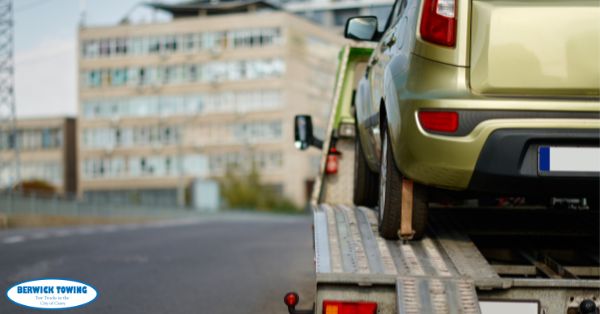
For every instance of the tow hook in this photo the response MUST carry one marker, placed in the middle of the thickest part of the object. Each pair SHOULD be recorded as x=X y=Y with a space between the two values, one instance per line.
x=291 y=299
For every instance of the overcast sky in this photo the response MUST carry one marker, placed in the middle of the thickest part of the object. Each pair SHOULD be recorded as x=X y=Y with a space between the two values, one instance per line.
x=45 y=50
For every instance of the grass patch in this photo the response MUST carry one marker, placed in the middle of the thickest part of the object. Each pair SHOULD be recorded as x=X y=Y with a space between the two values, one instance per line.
x=244 y=190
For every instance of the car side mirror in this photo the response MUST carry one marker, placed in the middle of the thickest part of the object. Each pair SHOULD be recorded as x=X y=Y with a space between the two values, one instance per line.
x=303 y=133
x=361 y=28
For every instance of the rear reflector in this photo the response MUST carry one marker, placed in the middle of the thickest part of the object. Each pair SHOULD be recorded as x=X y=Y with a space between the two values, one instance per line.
x=439 y=121
x=438 y=23
x=342 y=307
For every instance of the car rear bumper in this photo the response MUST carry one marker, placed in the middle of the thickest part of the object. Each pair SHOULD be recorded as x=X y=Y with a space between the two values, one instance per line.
x=508 y=163
x=497 y=153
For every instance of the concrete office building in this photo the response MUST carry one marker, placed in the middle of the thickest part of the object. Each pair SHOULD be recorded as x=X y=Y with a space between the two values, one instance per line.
x=163 y=104
x=47 y=153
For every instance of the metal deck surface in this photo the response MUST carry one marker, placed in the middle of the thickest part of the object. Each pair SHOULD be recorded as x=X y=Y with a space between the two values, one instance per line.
x=349 y=250
x=440 y=274
x=347 y=243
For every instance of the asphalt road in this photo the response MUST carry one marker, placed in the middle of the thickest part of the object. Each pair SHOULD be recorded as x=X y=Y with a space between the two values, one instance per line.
x=223 y=264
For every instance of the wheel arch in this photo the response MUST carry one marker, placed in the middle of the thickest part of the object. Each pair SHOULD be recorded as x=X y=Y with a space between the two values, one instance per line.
x=389 y=121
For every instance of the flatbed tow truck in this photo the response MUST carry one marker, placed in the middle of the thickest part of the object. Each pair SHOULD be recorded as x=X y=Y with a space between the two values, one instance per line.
x=494 y=260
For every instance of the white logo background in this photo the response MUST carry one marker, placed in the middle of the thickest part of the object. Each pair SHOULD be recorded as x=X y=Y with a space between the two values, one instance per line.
x=59 y=294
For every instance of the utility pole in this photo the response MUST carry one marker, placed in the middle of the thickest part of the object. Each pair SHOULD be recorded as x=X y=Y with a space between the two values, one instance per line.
x=9 y=160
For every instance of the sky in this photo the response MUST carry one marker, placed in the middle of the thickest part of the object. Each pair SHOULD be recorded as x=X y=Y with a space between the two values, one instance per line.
x=46 y=50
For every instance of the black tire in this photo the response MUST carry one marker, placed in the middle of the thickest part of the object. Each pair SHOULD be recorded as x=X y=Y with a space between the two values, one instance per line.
x=390 y=197
x=366 y=181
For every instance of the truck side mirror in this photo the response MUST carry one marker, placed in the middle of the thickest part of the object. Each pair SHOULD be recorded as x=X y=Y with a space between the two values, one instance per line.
x=303 y=133
x=361 y=28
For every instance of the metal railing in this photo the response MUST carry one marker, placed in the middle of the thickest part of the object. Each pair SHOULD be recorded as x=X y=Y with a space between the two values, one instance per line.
x=32 y=204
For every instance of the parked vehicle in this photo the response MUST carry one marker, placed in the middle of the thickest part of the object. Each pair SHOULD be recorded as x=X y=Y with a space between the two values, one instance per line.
x=478 y=96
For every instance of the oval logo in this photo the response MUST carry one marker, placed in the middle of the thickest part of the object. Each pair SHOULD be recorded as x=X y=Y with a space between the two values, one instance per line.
x=52 y=294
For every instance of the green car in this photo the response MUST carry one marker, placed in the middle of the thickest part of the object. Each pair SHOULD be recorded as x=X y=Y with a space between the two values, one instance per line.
x=478 y=97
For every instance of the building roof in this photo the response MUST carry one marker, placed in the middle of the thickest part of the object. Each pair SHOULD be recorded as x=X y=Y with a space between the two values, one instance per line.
x=212 y=7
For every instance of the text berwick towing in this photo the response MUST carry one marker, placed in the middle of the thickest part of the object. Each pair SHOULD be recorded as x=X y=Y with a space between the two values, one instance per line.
x=50 y=289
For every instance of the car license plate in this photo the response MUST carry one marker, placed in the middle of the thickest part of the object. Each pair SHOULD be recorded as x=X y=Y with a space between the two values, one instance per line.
x=568 y=159
x=504 y=307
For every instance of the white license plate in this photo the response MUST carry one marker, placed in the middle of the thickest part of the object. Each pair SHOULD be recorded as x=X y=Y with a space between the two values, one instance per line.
x=568 y=159
x=502 y=307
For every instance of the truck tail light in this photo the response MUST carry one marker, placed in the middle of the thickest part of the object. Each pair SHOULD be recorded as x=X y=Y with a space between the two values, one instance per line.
x=438 y=22
x=439 y=121
x=291 y=299
x=342 y=307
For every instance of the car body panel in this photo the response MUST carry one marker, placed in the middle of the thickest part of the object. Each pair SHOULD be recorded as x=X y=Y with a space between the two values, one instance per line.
x=545 y=48
x=381 y=77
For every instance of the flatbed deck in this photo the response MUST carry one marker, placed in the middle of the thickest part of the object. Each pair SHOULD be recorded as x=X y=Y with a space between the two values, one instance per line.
x=446 y=272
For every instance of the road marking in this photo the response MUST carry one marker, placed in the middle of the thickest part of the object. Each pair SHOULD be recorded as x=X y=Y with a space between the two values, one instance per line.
x=131 y=227
x=108 y=229
x=13 y=239
x=62 y=233
x=84 y=231
x=39 y=236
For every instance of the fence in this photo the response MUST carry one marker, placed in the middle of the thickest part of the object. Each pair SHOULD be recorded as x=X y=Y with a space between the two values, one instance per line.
x=15 y=203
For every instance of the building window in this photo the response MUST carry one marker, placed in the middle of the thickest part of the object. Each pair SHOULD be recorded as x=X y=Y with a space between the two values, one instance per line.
x=94 y=78
x=119 y=77
x=143 y=166
x=121 y=46
x=180 y=43
x=186 y=73
x=241 y=101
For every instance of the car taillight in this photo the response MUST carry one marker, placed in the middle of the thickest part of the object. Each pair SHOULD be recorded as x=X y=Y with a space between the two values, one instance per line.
x=342 y=307
x=438 y=23
x=439 y=121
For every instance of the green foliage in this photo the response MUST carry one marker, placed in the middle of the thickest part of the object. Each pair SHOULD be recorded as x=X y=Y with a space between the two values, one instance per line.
x=38 y=187
x=243 y=190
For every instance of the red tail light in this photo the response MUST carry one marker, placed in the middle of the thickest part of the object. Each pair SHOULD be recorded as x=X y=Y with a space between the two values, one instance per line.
x=332 y=165
x=439 y=121
x=339 y=307
x=438 y=23
x=291 y=299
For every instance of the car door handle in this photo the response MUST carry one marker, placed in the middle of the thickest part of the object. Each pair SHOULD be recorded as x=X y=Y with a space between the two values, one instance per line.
x=391 y=42
x=374 y=61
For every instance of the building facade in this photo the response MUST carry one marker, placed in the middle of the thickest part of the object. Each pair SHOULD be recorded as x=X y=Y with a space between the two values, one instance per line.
x=164 y=104
x=335 y=13
x=47 y=152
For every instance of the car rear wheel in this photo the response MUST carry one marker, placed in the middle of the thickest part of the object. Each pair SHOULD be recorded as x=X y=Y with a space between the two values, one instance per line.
x=365 y=180
x=390 y=197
